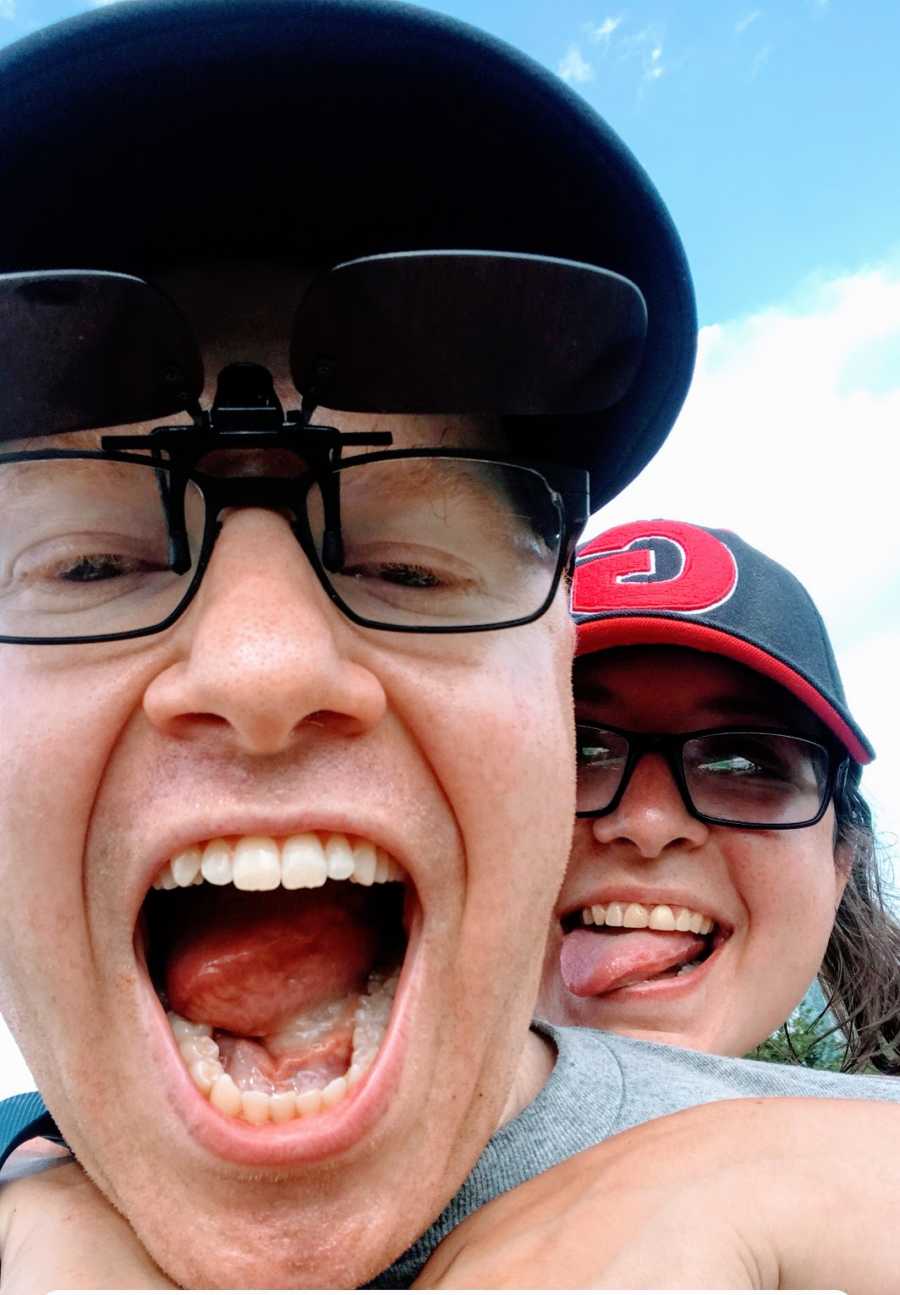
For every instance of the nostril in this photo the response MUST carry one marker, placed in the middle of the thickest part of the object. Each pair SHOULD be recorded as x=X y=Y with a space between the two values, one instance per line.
x=319 y=718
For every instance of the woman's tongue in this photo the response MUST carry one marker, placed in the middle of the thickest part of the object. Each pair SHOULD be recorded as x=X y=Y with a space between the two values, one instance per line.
x=249 y=963
x=596 y=962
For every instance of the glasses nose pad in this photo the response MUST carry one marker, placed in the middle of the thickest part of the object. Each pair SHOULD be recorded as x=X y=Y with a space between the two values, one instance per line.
x=332 y=552
x=332 y=557
x=172 y=492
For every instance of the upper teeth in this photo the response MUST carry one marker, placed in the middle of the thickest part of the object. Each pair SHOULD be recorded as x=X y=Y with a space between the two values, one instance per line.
x=297 y=862
x=659 y=917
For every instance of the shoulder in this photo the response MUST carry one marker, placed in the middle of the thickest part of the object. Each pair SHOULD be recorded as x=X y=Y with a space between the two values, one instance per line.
x=739 y=1076
x=656 y=1079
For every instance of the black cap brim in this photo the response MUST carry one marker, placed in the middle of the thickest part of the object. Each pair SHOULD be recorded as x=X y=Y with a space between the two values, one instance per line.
x=324 y=130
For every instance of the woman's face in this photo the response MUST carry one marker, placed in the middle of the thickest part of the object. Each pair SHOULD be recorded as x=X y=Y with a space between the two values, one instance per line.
x=771 y=895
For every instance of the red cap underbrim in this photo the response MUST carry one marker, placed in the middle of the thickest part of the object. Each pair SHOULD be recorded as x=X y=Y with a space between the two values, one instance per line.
x=639 y=631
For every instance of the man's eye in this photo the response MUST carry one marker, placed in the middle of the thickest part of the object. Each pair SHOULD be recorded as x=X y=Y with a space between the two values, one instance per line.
x=406 y=574
x=99 y=566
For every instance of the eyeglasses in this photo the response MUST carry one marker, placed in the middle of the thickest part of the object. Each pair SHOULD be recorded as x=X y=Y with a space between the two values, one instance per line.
x=749 y=777
x=113 y=544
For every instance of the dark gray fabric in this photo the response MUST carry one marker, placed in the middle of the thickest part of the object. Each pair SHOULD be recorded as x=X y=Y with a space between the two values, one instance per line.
x=602 y=1084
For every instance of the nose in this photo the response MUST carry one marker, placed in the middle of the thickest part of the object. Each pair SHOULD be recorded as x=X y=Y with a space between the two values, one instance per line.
x=262 y=652
x=651 y=817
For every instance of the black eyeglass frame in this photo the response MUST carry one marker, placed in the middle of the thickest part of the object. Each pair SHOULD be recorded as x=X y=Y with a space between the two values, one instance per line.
x=671 y=747
x=319 y=448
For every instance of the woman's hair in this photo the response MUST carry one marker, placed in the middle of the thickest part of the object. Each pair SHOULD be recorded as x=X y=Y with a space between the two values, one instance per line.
x=860 y=972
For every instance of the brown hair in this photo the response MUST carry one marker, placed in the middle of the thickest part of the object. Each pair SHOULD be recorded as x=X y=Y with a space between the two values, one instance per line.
x=860 y=972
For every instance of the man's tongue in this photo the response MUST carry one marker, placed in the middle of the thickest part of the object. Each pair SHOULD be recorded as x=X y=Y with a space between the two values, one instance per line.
x=248 y=963
x=596 y=962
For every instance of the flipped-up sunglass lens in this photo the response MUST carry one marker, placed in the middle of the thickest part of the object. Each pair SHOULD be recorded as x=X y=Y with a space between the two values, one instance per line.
x=741 y=777
x=87 y=348
x=101 y=545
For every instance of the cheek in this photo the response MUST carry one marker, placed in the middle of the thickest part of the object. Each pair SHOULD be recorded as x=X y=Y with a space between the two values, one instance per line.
x=497 y=732
x=59 y=727
x=788 y=885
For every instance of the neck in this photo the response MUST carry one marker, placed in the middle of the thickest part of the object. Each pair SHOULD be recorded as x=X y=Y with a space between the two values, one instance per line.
x=534 y=1069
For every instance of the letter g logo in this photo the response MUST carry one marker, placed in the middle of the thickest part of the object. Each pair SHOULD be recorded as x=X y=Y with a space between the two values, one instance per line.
x=653 y=567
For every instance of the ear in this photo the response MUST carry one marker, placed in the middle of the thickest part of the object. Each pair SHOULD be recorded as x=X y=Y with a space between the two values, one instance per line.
x=843 y=866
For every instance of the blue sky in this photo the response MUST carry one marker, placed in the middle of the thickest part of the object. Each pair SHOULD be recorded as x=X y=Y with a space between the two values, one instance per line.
x=771 y=131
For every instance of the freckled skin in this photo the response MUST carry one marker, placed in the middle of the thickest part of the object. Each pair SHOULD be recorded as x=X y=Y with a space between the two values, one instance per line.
x=263 y=697
x=779 y=890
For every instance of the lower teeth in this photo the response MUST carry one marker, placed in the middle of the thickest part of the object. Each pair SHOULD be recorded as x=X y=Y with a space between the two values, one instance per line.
x=200 y=1053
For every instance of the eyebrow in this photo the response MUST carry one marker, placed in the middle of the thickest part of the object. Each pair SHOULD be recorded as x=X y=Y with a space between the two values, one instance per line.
x=77 y=440
x=592 y=691
x=761 y=709
x=733 y=704
x=792 y=716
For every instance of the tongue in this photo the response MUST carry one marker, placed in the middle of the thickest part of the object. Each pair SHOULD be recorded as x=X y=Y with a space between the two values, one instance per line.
x=596 y=962
x=247 y=962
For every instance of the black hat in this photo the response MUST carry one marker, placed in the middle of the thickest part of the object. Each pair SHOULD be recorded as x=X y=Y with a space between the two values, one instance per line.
x=326 y=130
x=665 y=582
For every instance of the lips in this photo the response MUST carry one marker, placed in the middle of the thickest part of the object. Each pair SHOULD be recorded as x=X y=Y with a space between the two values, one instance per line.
x=623 y=943
x=277 y=961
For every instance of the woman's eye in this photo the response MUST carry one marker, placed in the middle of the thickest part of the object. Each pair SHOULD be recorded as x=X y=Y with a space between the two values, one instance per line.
x=590 y=752
x=729 y=764
x=740 y=766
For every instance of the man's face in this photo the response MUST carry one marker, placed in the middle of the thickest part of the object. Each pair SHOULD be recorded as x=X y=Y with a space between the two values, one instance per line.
x=264 y=713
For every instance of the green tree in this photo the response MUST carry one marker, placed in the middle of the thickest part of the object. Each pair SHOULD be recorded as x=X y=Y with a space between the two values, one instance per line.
x=808 y=1038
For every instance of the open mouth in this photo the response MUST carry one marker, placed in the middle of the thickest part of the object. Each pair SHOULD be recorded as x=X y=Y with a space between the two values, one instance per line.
x=277 y=963
x=621 y=944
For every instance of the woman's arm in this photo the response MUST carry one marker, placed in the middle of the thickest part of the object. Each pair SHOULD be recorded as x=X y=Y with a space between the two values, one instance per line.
x=776 y=1193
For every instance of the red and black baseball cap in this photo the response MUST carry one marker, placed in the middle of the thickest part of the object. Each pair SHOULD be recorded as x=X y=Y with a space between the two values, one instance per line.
x=680 y=585
x=139 y=135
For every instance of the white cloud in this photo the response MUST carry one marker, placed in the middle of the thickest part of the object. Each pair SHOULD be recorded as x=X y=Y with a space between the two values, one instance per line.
x=869 y=668
x=790 y=438
x=760 y=59
x=747 y=21
x=646 y=46
x=15 y=1076
x=574 y=68
x=601 y=32
x=653 y=68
